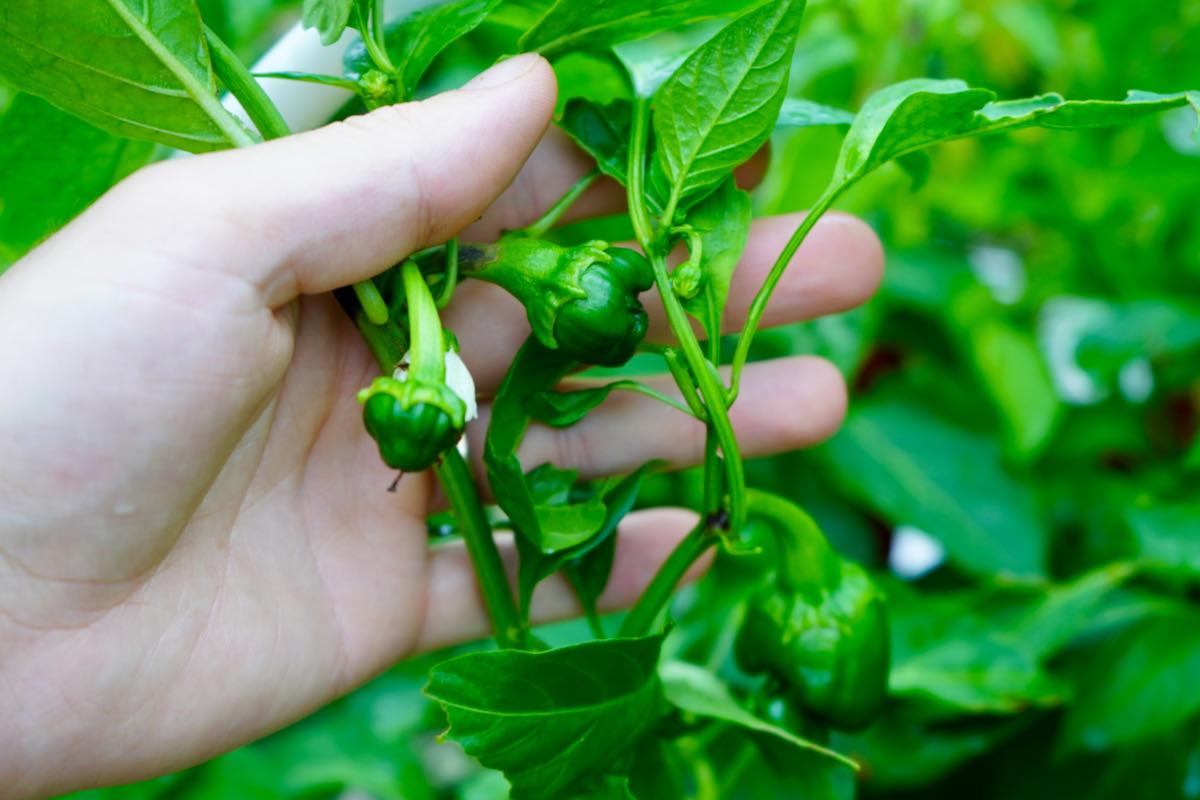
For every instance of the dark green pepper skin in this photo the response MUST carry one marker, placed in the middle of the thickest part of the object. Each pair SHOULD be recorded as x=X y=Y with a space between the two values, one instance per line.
x=819 y=628
x=606 y=325
x=581 y=300
x=412 y=423
x=832 y=656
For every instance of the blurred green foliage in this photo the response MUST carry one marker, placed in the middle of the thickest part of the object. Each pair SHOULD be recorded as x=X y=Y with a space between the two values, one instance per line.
x=1026 y=398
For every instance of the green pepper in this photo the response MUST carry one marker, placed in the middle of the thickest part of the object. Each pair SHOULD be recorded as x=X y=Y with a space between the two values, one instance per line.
x=414 y=416
x=581 y=300
x=819 y=628
x=413 y=422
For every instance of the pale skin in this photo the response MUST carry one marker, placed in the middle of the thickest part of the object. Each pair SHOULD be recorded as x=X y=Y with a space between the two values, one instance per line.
x=196 y=542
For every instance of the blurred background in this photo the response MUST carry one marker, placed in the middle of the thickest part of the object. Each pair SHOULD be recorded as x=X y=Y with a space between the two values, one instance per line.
x=1020 y=464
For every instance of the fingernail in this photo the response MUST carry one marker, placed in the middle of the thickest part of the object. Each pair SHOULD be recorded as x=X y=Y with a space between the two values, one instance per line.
x=504 y=72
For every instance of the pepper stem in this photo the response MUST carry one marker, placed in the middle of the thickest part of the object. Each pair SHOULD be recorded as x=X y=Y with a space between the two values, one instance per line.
x=548 y=220
x=459 y=485
x=427 y=349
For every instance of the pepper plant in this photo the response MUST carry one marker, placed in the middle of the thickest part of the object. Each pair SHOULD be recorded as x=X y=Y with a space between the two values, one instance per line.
x=703 y=85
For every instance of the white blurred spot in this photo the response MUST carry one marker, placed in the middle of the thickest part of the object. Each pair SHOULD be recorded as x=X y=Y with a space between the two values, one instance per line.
x=1063 y=323
x=1179 y=127
x=914 y=552
x=1137 y=380
x=459 y=379
x=1001 y=270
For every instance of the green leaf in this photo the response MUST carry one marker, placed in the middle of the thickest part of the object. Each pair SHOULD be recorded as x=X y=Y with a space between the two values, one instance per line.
x=572 y=25
x=562 y=524
x=534 y=369
x=1064 y=611
x=564 y=409
x=658 y=771
x=721 y=105
x=650 y=62
x=602 y=132
x=904 y=118
x=416 y=40
x=916 y=469
x=136 y=69
x=590 y=565
x=797 y=113
x=1018 y=380
x=697 y=691
x=988 y=675
x=910 y=116
x=1168 y=536
x=904 y=752
x=329 y=17
x=54 y=165
x=1011 y=369
x=570 y=525
x=723 y=222
x=553 y=719
x=1139 y=684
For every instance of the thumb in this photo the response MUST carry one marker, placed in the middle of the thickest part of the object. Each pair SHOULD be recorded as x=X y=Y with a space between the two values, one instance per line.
x=323 y=209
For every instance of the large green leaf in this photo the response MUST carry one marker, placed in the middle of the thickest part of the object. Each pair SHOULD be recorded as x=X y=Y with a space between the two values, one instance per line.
x=1139 y=684
x=136 y=68
x=917 y=469
x=572 y=25
x=1063 y=611
x=697 y=691
x=983 y=675
x=910 y=116
x=602 y=132
x=1168 y=536
x=552 y=719
x=416 y=40
x=721 y=105
x=54 y=166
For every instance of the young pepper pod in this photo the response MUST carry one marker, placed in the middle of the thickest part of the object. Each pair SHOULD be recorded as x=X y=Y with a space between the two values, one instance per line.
x=420 y=411
x=581 y=300
x=819 y=629
x=412 y=421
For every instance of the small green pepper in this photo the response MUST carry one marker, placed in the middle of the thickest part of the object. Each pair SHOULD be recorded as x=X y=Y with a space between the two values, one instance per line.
x=581 y=300
x=819 y=628
x=413 y=422
x=421 y=411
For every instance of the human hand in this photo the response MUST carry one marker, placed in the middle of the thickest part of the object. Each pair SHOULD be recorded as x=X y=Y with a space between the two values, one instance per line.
x=196 y=544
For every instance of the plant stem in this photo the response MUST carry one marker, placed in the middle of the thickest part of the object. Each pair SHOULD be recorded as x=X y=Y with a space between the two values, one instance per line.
x=310 y=77
x=371 y=302
x=241 y=84
x=654 y=394
x=451 y=280
x=640 y=620
x=371 y=31
x=711 y=388
x=759 y=305
x=547 y=221
x=386 y=342
x=459 y=486
x=683 y=379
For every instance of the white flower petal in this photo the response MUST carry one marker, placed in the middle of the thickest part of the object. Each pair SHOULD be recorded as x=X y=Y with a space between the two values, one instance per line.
x=459 y=379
